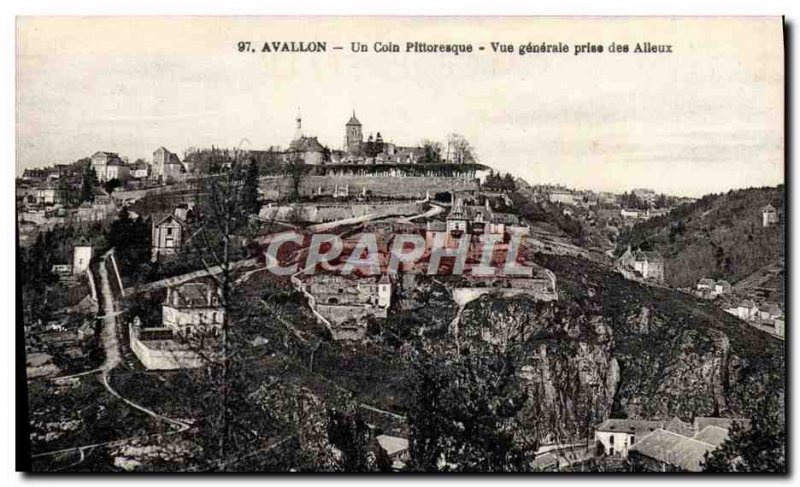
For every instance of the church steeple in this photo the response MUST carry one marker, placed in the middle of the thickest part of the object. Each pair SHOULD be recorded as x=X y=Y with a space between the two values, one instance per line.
x=353 y=137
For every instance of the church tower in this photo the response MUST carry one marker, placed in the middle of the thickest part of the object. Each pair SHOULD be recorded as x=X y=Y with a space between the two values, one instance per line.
x=353 y=137
x=298 y=132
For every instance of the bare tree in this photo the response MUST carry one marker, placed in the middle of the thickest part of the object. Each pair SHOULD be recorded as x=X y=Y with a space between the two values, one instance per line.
x=223 y=219
x=297 y=171
x=459 y=150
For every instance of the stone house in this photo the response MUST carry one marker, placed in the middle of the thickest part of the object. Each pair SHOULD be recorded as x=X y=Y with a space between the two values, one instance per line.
x=648 y=264
x=191 y=308
x=191 y=319
x=307 y=149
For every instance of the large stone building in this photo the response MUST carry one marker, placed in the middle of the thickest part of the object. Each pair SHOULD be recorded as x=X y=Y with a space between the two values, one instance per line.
x=167 y=166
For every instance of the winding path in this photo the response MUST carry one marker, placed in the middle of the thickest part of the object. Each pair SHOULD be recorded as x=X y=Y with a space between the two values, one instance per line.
x=111 y=347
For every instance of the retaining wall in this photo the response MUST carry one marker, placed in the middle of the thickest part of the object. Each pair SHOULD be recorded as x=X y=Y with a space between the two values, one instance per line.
x=397 y=186
x=162 y=359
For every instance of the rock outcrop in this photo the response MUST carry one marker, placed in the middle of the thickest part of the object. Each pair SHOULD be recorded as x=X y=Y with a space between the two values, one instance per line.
x=624 y=350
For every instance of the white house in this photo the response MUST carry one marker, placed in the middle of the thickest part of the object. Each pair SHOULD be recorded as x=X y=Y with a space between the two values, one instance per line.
x=108 y=165
x=769 y=216
x=617 y=435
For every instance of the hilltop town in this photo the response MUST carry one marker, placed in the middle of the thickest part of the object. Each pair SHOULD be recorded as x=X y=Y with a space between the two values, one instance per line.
x=586 y=340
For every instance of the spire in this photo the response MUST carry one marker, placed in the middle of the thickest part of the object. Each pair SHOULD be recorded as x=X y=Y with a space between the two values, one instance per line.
x=353 y=120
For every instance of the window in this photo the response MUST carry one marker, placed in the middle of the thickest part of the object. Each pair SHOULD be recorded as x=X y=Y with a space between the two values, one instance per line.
x=633 y=439
x=169 y=230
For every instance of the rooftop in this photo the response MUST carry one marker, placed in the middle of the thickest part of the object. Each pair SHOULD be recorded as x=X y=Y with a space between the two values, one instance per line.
x=713 y=435
x=353 y=120
x=192 y=295
x=632 y=426
x=641 y=255
x=701 y=422
x=673 y=449
x=392 y=444
x=306 y=144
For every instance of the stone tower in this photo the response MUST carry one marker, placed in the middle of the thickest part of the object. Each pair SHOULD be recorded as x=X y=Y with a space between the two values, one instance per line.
x=353 y=137
x=298 y=133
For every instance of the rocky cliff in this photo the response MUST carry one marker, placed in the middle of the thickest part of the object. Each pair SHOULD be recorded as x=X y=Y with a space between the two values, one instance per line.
x=610 y=347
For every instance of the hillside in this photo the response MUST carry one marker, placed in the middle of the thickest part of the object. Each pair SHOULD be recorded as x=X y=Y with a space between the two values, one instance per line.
x=718 y=236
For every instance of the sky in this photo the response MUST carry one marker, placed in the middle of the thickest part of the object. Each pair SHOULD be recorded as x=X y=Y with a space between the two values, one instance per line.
x=706 y=118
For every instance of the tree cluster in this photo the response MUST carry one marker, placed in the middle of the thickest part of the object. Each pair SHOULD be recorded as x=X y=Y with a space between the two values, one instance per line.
x=497 y=182
x=463 y=414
